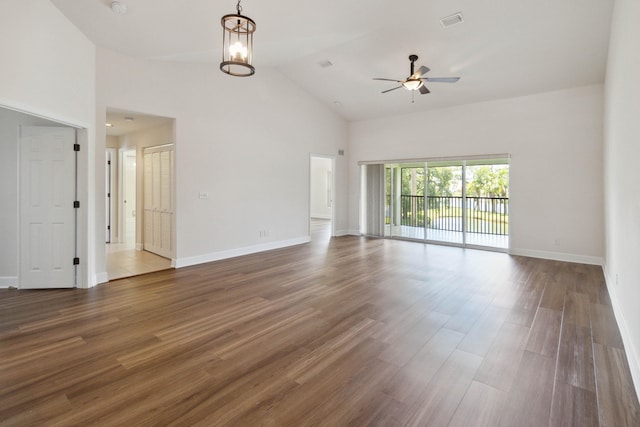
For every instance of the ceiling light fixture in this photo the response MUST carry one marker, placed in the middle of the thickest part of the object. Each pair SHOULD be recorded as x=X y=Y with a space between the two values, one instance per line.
x=412 y=84
x=237 y=44
x=109 y=125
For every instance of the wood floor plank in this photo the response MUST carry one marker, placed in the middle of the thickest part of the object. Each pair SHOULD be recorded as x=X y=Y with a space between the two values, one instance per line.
x=418 y=372
x=604 y=327
x=481 y=406
x=406 y=345
x=577 y=309
x=339 y=331
x=525 y=307
x=440 y=399
x=529 y=400
x=575 y=358
x=573 y=406
x=480 y=337
x=617 y=401
x=545 y=332
x=500 y=365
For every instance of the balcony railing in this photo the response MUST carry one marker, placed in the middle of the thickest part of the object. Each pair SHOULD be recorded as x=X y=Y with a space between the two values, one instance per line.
x=486 y=215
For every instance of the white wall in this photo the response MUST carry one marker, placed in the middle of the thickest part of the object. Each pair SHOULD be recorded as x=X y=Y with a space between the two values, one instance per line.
x=320 y=187
x=622 y=176
x=245 y=141
x=555 y=140
x=48 y=69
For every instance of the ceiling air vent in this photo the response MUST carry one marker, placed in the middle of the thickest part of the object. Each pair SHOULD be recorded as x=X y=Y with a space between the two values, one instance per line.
x=325 y=64
x=451 y=20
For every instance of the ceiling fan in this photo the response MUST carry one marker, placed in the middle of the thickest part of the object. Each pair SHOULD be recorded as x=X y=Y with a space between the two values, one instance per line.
x=416 y=79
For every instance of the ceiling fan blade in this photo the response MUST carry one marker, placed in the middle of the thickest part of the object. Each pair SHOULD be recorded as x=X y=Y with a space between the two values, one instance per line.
x=421 y=72
x=424 y=90
x=442 y=79
x=389 y=90
x=387 y=80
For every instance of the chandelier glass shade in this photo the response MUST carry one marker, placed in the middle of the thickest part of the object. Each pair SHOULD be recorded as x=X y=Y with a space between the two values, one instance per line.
x=237 y=44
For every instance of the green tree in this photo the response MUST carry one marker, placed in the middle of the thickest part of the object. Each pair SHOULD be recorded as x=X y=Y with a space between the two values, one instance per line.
x=441 y=181
x=489 y=181
x=412 y=180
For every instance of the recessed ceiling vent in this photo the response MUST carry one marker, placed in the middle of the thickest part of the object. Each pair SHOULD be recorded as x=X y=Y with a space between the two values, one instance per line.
x=452 y=20
x=325 y=64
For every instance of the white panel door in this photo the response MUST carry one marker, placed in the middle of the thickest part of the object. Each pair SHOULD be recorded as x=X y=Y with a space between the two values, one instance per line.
x=47 y=217
x=158 y=200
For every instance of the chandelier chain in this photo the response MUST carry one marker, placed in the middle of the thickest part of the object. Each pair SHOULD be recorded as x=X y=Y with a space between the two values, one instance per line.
x=239 y=8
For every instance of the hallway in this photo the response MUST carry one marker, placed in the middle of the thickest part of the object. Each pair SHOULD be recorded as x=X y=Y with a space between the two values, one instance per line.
x=123 y=260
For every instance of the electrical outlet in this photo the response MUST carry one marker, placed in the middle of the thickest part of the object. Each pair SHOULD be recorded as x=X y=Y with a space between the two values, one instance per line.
x=203 y=195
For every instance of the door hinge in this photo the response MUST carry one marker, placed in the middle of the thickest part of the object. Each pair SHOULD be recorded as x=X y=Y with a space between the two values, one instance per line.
x=76 y=204
x=108 y=162
x=76 y=147
x=108 y=227
x=76 y=261
x=108 y=194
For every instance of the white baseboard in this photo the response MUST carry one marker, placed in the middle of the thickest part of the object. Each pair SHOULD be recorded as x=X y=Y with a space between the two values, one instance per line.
x=320 y=216
x=354 y=232
x=139 y=246
x=7 y=281
x=633 y=354
x=232 y=253
x=101 y=278
x=342 y=233
x=558 y=256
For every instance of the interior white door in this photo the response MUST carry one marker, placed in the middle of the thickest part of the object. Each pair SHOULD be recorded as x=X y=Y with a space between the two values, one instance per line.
x=47 y=217
x=158 y=200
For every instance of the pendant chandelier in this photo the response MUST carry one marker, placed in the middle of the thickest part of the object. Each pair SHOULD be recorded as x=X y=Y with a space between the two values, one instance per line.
x=237 y=44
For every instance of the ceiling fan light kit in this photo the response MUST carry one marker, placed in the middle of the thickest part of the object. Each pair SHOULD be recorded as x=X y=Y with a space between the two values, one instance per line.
x=416 y=79
x=237 y=44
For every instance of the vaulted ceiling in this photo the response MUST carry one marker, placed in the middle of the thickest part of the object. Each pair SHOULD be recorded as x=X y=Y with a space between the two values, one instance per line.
x=502 y=49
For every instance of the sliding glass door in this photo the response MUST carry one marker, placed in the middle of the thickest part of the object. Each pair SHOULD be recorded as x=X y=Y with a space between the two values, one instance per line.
x=487 y=203
x=462 y=202
x=445 y=208
x=404 y=198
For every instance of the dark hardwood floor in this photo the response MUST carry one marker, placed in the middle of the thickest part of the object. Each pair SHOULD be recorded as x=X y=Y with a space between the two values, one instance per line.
x=343 y=331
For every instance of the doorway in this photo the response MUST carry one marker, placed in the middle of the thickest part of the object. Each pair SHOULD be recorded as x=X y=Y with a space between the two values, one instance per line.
x=135 y=137
x=321 y=197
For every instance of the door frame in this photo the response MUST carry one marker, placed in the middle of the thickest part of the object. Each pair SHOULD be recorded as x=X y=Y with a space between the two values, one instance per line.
x=333 y=191
x=112 y=198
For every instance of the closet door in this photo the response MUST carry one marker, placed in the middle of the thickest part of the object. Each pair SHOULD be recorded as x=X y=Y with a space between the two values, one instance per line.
x=47 y=214
x=158 y=200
